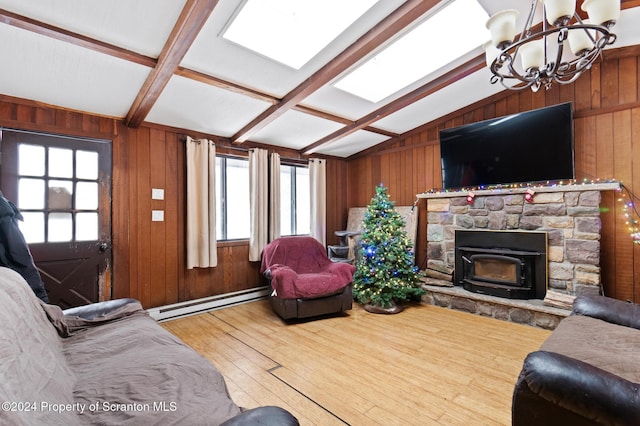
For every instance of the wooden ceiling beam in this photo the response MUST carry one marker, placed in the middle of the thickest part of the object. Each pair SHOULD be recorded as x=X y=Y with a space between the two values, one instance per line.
x=399 y=19
x=421 y=92
x=338 y=119
x=60 y=34
x=242 y=90
x=193 y=17
x=433 y=86
x=381 y=131
x=226 y=85
x=42 y=28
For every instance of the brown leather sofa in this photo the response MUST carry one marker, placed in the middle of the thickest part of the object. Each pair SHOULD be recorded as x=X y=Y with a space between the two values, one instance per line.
x=587 y=372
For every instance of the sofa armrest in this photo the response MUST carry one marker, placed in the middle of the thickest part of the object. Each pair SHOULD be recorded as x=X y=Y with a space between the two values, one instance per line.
x=266 y=416
x=608 y=309
x=581 y=388
x=95 y=310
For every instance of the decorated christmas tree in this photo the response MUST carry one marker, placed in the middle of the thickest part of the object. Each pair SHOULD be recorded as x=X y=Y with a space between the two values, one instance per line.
x=385 y=271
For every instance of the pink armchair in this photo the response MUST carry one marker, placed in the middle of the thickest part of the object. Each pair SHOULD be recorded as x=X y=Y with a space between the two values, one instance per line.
x=304 y=281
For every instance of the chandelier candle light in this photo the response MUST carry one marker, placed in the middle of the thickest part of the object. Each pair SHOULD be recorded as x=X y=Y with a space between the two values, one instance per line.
x=533 y=60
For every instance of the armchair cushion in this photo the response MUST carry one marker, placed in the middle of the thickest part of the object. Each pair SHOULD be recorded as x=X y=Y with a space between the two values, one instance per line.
x=299 y=268
x=607 y=309
x=611 y=348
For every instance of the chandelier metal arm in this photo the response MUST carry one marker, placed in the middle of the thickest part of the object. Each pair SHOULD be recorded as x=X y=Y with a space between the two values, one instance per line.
x=556 y=70
x=526 y=31
x=562 y=67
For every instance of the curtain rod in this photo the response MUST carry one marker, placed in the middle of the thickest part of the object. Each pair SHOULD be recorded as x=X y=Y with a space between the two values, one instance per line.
x=297 y=160
x=237 y=148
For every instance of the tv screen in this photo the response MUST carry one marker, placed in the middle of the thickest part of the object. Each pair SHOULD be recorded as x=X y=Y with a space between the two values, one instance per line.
x=527 y=147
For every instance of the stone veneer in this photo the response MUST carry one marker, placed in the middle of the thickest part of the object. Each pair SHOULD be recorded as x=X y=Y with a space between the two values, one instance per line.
x=571 y=219
x=529 y=312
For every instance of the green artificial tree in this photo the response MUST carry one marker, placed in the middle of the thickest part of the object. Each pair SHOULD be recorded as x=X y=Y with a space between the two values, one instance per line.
x=385 y=271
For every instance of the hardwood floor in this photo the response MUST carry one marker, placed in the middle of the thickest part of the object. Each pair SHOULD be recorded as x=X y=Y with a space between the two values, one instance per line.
x=426 y=365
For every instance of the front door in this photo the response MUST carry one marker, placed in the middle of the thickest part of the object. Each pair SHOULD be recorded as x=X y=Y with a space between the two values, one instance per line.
x=62 y=186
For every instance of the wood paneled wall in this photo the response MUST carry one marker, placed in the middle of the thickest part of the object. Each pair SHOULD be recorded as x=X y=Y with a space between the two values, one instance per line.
x=149 y=257
x=606 y=102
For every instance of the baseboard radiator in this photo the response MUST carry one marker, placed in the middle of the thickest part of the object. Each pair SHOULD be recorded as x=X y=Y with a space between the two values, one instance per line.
x=198 y=306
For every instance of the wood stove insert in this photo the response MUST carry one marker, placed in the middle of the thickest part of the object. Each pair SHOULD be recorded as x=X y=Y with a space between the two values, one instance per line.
x=502 y=263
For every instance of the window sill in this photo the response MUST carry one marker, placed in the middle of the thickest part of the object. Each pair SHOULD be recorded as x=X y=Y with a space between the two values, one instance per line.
x=233 y=243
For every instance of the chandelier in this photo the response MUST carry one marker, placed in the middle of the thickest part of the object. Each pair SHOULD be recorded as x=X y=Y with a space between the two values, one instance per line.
x=534 y=60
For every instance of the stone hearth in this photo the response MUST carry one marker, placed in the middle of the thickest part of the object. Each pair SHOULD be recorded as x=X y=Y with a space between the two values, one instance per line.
x=529 y=312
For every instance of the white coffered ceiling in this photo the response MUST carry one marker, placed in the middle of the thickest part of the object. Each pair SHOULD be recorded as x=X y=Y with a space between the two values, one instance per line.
x=168 y=62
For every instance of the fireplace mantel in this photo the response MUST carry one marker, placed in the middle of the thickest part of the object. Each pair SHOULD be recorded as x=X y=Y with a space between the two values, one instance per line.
x=507 y=190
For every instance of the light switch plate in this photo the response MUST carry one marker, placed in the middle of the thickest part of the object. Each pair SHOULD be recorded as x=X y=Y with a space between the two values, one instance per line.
x=157 y=215
x=157 y=194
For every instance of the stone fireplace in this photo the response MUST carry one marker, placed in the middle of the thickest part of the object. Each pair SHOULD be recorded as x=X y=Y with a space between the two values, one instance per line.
x=568 y=216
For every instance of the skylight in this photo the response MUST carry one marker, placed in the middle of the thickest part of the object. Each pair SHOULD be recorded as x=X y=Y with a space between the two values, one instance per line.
x=293 y=31
x=452 y=32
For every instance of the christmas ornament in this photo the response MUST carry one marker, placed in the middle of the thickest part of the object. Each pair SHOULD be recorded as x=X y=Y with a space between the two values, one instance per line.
x=528 y=195
x=470 y=197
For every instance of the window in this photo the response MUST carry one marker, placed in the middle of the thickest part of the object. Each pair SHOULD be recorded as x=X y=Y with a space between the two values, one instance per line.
x=295 y=204
x=293 y=31
x=57 y=194
x=401 y=63
x=232 y=198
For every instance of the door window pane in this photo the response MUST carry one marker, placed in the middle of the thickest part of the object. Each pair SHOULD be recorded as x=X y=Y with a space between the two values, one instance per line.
x=87 y=196
x=32 y=227
x=60 y=162
x=60 y=194
x=31 y=193
x=86 y=226
x=30 y=160
x=60 y=227
x=87 y=165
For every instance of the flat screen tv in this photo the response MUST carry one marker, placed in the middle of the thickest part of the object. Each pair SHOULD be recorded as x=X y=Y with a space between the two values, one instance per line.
x=528 y=147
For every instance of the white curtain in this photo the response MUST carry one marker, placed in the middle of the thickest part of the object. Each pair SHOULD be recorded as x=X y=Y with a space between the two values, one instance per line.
x=274 y=198
x=258 y=202
x=201 y=204
x=318 y=184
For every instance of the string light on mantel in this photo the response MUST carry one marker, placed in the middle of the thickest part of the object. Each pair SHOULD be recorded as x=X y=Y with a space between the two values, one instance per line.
x=529 y=185
x=630 y=213
x=626 y=197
